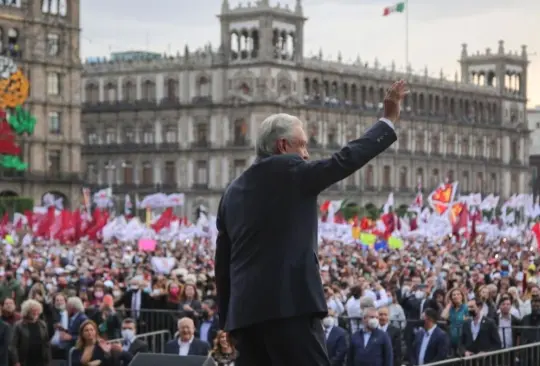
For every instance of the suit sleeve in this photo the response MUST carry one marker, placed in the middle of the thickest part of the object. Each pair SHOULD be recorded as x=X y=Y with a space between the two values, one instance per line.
x=350 y=354
x=388 y=353
x=316 y=176
x=496 y=343
x=443 y=349
x=222 y=268
x=396 y=346
x=341 y=351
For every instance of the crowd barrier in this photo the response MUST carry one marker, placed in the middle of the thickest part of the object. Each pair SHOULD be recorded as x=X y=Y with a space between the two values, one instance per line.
x=525 y=355
x=156 y=342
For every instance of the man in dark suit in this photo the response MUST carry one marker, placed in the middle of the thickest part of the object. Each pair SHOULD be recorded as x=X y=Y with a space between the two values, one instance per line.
x=370 y=346
x=133 y=301
x=209 y=325
x=186 y=344
x=393 y=332
x=431 y=344
x=75 y=309
x=508 y=324
x=270 y=294
x=479 y=333
x=336 y=342
x=130 y=343
x=5 y=339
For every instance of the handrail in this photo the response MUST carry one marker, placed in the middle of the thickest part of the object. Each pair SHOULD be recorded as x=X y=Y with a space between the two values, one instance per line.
x=485 y=354
x=119 y=340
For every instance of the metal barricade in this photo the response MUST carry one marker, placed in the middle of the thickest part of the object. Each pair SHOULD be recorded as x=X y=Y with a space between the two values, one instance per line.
x=526 y=355
x=156 y=342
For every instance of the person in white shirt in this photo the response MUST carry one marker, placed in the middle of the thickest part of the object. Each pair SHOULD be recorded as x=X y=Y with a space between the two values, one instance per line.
x=186 y=344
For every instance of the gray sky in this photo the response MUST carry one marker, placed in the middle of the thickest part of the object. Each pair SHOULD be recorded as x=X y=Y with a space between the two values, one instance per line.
x=437 y=29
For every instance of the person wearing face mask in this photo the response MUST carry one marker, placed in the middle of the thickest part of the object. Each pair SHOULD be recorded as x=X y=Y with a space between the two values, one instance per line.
x=209 y=325
x=479 y=333
x=370 y=346
x=136 y=299
x=336 y=341
x=130 y=344
x=431 y=344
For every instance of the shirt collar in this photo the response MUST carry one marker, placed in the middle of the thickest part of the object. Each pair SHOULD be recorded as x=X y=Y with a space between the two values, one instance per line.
x=430 y=330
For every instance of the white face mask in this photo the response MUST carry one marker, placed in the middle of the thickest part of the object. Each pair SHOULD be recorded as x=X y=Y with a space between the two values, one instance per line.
x=328 y=322
x=373 y=323
x=419 y=295
x=128 y=334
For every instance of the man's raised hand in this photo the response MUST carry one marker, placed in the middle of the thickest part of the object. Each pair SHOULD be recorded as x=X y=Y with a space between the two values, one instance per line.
x=392 y=100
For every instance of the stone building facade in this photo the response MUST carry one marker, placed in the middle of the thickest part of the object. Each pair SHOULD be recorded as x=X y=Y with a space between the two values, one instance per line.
x=187 y=123
x=42 y=37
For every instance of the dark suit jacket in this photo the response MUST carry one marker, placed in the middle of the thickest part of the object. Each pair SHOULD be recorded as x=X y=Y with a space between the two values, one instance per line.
x=5 y=339
x=487 y=340
x=337 y=346
x=126 y=300
x=266 y=257
x=97 y=354
x=196 y=348
x=137 y=346
x=212 y=331
x=377 y=352
x=74 y=325
x=395 y=337
x=438 y=347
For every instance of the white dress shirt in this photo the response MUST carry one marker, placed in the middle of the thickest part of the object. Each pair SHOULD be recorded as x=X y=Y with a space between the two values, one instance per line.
x=475 y=327
x=184 y=347
x=136 y=303
x=505 y=330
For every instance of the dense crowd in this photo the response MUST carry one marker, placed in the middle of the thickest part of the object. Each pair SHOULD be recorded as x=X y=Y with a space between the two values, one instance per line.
x=87 y=302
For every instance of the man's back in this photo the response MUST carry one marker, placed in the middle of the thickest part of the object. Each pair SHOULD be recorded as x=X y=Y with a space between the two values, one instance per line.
x=273 y=262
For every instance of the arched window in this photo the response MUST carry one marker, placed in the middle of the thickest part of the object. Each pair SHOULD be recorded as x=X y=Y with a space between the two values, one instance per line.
x=204 y=86
x=493 y=183
x=129 y=91
x=420 y=142
x=170 y=134
x=240 y=130
x=420 y=176
x=450 y=145
x=404 y=141
x=13 y=42
x=465 y=180
x=479 y=148
x=465 y=147
x=435 y=178
x=435 y=145
x=129 y=135
x=479 y=182
x=110 y=92
x=514 y=151
x=171 y=90
x=62 y=7
x=110 y=136
x=149 y=91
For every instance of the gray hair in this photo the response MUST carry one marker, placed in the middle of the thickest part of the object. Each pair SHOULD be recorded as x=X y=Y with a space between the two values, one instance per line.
x=369 y=311
x=366 y=302
x=28 y=305
x=75 y=303
x=273 y=128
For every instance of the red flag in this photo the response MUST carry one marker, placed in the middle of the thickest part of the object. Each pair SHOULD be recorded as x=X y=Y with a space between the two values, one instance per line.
x=164 y=220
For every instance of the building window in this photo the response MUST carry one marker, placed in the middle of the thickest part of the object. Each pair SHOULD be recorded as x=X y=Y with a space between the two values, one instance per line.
x=465 y=181
x=148 y=136
x=91 y=173
x=171 y=88
x=147 y=173
x=130 y=91
x=239 y=167
x=170 y=172
x=110 y=136
x=14 y=3
x=14 y=49
x=493 y=154
x=54 y=159
x=450 y=176
x=92 y=137
x=465 y=147
x=110 y=92
x=479 y=182
x=127 y=169
x=202 y=133
x=170 y=135
x=369 y=176
x=403 y=177
x=435 y=147
x=149 y=91
x=404 y=141
x=54 y=7
x=240 y=130
x=202 y=172
x=493 y=184
x=514 y=183
x=54 y=123
x=420 y=142
x=204 y=87
x=53 y=83
x=514 y=152
x=450 y=145
x=387 y=176
x=420 y=176
x=479 y=148
x=129 y=135
x=53 y=44
x=92 y=93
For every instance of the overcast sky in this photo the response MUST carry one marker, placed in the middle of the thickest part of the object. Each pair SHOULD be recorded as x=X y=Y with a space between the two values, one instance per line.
x=437 y=28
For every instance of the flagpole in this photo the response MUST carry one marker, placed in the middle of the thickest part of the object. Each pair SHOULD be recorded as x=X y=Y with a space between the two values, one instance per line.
x=406 y=35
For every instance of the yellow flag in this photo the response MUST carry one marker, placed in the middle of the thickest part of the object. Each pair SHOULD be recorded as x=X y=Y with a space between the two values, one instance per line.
x=368 y=239
x=356 y=232
x=395 y=243
x=148 y=216
x=9 y=239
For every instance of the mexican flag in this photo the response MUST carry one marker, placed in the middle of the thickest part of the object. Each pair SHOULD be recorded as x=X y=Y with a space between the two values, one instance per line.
x=396 y=8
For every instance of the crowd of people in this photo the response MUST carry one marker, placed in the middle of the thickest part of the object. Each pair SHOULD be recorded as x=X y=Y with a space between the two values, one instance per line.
x=95 y=299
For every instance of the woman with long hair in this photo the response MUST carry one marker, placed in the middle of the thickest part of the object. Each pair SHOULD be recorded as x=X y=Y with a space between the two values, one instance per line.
x=455 y=312
x=90 y=350
x=30 y=342
x=189 y=304
x=224 y=353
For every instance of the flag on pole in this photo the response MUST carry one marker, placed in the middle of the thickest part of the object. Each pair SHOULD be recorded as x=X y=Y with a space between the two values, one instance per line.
x=396 y=8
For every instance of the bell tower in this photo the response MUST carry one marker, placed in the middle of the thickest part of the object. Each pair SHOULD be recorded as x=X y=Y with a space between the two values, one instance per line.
x=261 y=32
